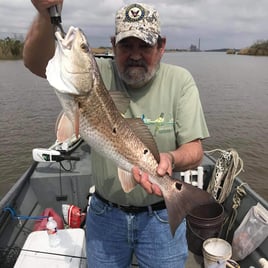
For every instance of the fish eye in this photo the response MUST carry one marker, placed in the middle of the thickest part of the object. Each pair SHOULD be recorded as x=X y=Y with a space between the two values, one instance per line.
x=84 y=47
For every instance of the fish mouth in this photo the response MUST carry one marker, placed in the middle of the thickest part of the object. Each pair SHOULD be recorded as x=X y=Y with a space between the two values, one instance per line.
x=65 y=68
x=66 y=44
x=66 y=41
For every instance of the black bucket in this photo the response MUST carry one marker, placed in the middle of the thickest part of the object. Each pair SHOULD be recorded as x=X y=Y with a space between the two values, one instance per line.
x=203 y=222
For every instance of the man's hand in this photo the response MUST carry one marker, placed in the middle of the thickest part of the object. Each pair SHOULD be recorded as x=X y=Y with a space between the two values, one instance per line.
x=164 y=167
x=143 y=179
x=187 y=156
x=43 y=5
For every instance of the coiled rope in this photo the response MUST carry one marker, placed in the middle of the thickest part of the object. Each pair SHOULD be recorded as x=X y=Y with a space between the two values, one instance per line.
x=238 y=196
x=227 y=167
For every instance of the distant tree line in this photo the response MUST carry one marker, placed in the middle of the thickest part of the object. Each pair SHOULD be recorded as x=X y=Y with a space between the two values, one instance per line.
x=261 y=44
x=260 y=48
x=10 y=48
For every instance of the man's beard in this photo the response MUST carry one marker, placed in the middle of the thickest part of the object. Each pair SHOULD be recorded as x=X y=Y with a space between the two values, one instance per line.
x=136 y=73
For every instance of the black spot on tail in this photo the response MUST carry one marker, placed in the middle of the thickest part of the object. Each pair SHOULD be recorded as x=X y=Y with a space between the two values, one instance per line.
x=178 y=186
x=181 y=199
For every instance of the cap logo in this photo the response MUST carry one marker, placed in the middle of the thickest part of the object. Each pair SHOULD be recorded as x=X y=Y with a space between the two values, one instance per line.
x=134 y=13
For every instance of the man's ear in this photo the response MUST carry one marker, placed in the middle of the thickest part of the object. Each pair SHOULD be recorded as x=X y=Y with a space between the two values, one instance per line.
x=113 y=41
x=163 y=44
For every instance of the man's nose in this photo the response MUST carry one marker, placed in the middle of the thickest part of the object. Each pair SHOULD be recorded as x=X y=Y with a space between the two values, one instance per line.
x=136 y=53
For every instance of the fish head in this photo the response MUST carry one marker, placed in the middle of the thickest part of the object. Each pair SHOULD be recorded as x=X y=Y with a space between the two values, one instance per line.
x=71 y=70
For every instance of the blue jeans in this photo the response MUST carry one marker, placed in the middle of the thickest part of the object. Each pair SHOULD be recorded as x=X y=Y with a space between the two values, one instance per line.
x=113 y=236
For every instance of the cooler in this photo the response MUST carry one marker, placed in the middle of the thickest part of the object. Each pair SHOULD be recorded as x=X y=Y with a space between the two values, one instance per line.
x=71 y=253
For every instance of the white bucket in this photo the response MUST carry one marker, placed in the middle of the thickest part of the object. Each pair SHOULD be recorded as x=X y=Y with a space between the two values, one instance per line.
x=216 y=252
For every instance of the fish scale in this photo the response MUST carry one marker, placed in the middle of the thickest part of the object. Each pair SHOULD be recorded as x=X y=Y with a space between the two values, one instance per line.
x=74 y=74
x=117 y=138
x=116 y=146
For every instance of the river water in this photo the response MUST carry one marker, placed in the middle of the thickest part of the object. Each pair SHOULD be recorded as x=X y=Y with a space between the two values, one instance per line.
x=233 y=90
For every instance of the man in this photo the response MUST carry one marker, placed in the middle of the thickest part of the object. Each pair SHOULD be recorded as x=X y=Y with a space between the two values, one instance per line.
x=166 y=97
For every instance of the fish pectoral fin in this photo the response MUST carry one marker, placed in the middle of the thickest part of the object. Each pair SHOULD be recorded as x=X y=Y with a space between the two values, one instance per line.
x=63 y=128
x=127 y=180
x=181 y=200
x=76 y=122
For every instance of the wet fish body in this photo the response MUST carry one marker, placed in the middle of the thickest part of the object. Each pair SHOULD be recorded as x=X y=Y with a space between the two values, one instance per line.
x=74 y=74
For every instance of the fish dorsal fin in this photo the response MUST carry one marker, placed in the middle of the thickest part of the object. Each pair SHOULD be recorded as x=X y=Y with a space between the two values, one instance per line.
x=126 y=179
x=120 y=99
x=145 y=135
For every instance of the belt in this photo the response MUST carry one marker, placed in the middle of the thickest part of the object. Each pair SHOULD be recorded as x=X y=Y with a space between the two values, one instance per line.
x=133 y=209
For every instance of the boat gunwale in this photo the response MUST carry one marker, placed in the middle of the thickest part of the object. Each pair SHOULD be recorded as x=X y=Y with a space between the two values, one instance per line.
x=12 y=193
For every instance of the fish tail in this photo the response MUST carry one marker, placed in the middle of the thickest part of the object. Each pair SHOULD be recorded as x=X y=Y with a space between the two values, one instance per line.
x=181 y=200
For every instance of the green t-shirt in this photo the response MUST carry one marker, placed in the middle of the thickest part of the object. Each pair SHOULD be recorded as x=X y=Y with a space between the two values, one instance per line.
x=169 y=105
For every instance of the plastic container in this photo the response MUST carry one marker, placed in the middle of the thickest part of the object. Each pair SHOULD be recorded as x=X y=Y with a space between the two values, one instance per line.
x=71 y=252
x=52 y=231
x=263 y=262
x=216 y=253
x=203 y=222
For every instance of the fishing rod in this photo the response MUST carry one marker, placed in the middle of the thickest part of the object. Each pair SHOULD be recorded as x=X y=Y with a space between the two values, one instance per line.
x=55 y=17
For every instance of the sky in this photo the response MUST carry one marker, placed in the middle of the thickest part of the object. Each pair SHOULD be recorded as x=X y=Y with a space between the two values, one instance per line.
x=217 y=23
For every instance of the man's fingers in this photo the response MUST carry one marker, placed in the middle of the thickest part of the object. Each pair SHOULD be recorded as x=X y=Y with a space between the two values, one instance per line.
x=143 y=179
x=146 y=184
x=156 y=190
x=137 y=174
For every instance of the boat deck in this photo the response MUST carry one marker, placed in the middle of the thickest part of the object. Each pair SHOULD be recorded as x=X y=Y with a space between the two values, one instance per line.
x=29 y=196
x=194 y=261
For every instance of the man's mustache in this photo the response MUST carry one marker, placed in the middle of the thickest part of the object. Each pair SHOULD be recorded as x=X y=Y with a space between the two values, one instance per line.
x=136 y=63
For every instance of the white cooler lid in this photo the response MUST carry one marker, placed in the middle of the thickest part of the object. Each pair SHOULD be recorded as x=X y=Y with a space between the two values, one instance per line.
x=36 y=251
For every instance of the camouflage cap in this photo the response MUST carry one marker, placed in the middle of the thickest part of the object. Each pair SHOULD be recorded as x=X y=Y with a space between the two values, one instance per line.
x=137 y=20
